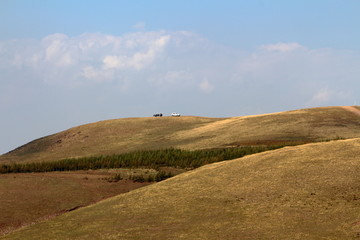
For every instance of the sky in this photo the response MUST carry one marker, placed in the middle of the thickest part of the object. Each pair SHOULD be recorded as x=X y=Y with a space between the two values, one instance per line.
x=67 y=63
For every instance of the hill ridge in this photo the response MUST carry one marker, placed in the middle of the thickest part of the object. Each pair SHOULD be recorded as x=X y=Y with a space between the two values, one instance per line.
x=189 y=132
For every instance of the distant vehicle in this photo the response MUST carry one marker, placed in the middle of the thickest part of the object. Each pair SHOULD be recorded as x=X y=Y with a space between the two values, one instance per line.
x=174 y=114
x=157 y=115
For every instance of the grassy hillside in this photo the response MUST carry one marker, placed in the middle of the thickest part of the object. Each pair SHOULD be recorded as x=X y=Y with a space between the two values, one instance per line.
x=307 y=125
x=125 y=135
x=304 y=192
x=27 y=198
x=106 y=137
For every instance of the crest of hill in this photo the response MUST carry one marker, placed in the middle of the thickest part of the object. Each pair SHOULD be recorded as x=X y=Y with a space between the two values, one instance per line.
x=130 y=134
x=304 y=192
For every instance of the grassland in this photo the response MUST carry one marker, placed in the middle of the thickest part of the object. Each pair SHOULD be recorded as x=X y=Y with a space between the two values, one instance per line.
x=70 y=190
x=105 y=138
x=132 y=134
x=303 y=192
x=33 y=197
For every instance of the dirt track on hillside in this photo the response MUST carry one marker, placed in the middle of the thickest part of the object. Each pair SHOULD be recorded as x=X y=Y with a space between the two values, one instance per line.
x=352 y=109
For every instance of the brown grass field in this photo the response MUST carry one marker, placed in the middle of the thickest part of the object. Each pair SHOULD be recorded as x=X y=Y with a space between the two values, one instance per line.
x=308 y=191
x=31 y=197
x=303 y=192
x=130 y=134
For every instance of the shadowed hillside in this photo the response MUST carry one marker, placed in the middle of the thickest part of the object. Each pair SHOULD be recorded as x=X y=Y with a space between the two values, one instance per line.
x=304 y=192
x=31 y=197
x=125 y=135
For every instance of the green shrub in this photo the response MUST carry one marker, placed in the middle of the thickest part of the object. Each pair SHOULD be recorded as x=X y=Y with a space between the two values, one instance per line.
x=115 y=178
x=137 y=178
x=162 y=176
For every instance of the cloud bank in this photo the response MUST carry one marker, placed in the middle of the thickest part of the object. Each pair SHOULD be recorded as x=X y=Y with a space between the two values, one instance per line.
x=275 y=76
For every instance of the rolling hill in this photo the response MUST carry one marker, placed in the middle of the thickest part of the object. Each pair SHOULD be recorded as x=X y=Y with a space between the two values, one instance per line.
x=33 y=197
x=130 y=134
x=301 y=192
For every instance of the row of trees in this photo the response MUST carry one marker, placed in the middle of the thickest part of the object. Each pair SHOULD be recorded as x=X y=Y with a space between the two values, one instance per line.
x=148 y=159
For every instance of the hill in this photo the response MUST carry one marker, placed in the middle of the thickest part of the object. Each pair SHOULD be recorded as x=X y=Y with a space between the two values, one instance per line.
x=130 y=134
x=31 y=197
x=303 y=192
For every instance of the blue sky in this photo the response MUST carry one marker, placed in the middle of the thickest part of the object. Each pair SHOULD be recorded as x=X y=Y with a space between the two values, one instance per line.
x=321 y=23
x=66 y=63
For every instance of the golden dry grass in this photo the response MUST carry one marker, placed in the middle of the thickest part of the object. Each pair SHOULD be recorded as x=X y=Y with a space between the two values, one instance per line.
x=105 y=137
x=314 y=124
x=124 y=135
x=304 y=192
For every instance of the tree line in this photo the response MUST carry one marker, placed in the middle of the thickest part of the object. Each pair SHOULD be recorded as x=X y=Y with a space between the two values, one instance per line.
x=155 y=159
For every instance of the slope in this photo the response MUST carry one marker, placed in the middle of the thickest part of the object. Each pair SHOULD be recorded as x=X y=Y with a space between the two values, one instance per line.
x=29 y=197
x=105 y=137
x=124 y=135
x=304 y=192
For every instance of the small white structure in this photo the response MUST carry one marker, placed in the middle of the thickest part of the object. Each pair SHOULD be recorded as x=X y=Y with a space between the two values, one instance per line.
x=175 y=114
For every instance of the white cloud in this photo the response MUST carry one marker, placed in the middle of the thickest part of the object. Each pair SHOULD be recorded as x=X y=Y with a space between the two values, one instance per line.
x=180 y=77
x=138 y=60
x=272 y=75
x=323 y=95
x=139 y=26
x=282 y=47
x=206 y=86
x=59 y=58
x=113 y=62
x=54 y=45
x=58 y=50
x=96 y=75
x=326 y=96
